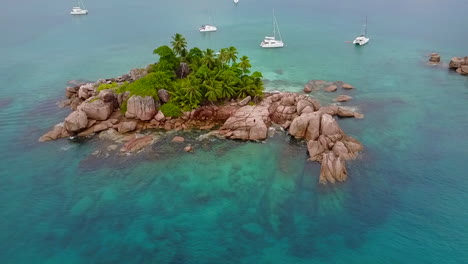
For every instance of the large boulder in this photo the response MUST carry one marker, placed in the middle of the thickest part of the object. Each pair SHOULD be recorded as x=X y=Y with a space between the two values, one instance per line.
x=86 y=91
x=329 y=126
x=307 y=125
x=183 y=70
x=301 y=104
x=464 y=69
x=248 y=123
x=136 y=74
x=128 y=126
x=76 y=121
x=315 y=150
x=143 y=108
x=71 y=91
x=97 y=109
x=347 y=86
x=164 y=95
x=333 y=169
x=107 y=96
x=456 y=62
x=288 y=100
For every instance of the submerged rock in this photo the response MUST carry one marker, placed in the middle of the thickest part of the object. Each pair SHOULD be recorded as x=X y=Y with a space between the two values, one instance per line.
x=343 y=98
x=137 y=144
x=188 y=148
x=178 y=139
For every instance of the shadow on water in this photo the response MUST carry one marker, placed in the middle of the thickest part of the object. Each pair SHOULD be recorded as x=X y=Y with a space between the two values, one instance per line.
x=5 y=102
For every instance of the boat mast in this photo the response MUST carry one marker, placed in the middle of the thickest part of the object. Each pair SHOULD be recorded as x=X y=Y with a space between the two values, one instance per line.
x=365 y=28
x=81 y=2
x=274 y=25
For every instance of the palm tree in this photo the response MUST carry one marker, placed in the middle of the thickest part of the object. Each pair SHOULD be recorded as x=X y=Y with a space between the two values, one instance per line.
x=213 y=90
x=231 y=55
x=209 y=58
x=245 y=64
x=191 y=92
x=223 y=56
x=179 y=44
x=247 y=87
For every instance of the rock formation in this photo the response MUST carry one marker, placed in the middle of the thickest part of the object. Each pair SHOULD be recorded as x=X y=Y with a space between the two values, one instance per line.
x=459 y=64
x=164 y=95
x=435 y=58
x=342 y=98
x=143 y=108
x=97 y=109
x=302 y=115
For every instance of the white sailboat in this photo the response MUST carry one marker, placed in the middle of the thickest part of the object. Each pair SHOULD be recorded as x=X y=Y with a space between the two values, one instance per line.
x=78 y=10
x=272 y=42
x=362 y=39
x=207 y=28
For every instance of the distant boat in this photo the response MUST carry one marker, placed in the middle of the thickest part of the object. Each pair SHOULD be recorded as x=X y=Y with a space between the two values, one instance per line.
x=362 y=39
x=272 y=42
x=236 y=1
x=79 y=10
x=208 y=28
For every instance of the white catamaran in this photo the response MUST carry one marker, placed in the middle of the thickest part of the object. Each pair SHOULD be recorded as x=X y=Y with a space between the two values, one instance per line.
x=362 y=39
x=272 y=42
x=79 y=10
x=207 y=27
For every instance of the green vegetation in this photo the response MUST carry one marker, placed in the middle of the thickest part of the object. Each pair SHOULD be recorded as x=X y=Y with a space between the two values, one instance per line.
x=170 y=109
x=105 y=86
x=94 y=99
x=195 y=77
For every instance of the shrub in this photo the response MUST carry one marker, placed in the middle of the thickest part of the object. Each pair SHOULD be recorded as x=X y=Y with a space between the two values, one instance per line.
x=105 y=86
x=123 y=107
x=170 y=109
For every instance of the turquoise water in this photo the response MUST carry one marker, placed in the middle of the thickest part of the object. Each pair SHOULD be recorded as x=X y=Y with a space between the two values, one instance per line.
x=230 y=201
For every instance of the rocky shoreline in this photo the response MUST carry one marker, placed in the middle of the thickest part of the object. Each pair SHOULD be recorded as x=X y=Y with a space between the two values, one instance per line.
x=248 y=119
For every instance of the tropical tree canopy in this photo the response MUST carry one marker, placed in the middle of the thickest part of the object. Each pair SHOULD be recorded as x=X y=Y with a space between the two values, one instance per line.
x=212 y=77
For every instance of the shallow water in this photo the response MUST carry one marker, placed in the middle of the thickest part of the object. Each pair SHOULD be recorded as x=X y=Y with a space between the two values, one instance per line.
x=231 y=201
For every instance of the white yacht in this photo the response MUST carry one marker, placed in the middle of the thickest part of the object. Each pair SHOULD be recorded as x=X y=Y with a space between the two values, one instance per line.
x=207 y=28
x=362 y=39
x=77 y=10
x=236 y=1
x=272 y=42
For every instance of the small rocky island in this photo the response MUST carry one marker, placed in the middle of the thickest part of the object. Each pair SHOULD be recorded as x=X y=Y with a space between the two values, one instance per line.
x=208 y=92
x=458 y=64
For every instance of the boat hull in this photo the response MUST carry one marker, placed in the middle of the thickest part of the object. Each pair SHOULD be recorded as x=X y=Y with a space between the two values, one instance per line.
x=207 y=28
x=272 y=45
x=82 y=12
x=361 y=41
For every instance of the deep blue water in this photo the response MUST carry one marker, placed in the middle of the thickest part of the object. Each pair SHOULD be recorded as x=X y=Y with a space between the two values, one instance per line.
x=230 y=201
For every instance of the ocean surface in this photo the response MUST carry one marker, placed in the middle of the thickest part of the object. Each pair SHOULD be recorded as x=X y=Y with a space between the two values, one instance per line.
x=238 y=202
